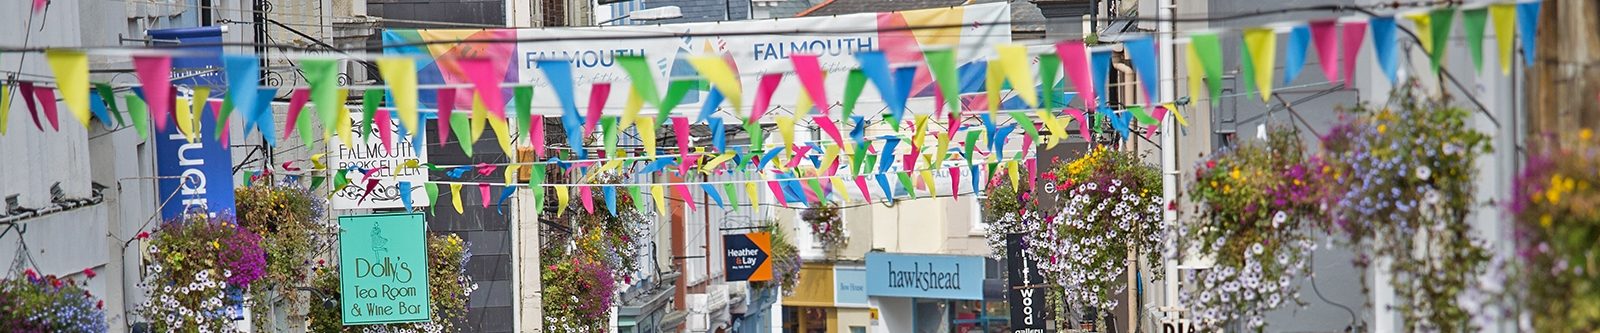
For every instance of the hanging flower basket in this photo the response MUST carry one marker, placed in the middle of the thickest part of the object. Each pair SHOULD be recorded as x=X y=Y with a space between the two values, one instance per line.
x=1557 y=207
x=290 y=222
x=826 y=225
x=1253 y=202
x=196 y=270
x=785 y=263
x=48 y=303
x=1111 y=211
x=1402 y=184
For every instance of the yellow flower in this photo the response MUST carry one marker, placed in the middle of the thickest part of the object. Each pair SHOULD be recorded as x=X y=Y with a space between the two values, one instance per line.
x=215 y=245
x=1382 y=128
x=1545 y=220
x=1234 y=174
x=1585 y=134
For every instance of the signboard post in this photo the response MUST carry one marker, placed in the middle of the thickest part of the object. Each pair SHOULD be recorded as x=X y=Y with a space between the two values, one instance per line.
x=369 y=154
x=383 y=269
x=749 y=256
x=1027 y=301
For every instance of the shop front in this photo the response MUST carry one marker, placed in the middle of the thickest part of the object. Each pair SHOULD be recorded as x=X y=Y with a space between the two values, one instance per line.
x=830 y=298
x=935 y=293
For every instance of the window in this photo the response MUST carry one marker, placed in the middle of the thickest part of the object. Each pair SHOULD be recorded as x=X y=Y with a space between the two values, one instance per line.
x=980 y=225
x=858 y=329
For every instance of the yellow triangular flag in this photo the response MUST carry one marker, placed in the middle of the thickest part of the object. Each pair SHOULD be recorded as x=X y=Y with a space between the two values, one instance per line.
x=993 y=80
x=1263 y=46
x=725 y=157
x=511 y=174
x=1197 y=74
x=943 y=151
x=400 y=73
x=1057 y=132
x=918 y=136
x=716 y=70
x=562 y=198
x=455 y=196
x=1424 y=29
x=1504 y=16
x=1173 y=109
x=927 y=180
x=754 y=194
x=480 y=117
x=316 y=162
x=345 y=131
x=786 y=130
x=503 y=134
x=630 y=110
x=838 y=187
x=1014 y=60
x=72 y=78
x=1011 y=172
x=660 y=194
x=647 y=134
x=185 y=117
x=5 y=107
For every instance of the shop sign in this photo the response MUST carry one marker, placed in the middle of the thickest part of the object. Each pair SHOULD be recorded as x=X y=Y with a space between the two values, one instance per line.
x=748 y=256
x=388 y=165
x=925 y=276
x=850 y=286
x=383 y=269
x=1027 y=302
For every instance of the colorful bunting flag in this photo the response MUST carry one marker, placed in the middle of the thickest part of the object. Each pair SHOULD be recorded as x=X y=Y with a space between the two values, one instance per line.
x=72 y=77
x=1259 y=60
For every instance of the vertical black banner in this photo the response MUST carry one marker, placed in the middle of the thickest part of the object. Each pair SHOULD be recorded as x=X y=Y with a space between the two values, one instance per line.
x=1027 y=303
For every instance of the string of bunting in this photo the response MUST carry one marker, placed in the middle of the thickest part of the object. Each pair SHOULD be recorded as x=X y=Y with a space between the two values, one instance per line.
x=1045 y=105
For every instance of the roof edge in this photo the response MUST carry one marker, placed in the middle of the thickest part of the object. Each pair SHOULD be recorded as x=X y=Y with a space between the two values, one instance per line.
x=814 y=9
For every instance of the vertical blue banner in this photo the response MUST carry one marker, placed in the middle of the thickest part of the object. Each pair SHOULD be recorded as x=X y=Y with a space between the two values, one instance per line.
x=196 y=176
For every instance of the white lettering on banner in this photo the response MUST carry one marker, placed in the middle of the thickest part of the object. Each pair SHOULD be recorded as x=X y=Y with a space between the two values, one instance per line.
x=192 y=184
x=579 y=58
x=916 y=278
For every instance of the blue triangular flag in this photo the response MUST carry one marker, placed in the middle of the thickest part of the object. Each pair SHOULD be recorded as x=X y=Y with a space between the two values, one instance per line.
x=658 y=164
x=713 y=100
x=886 y=156
x=98 y=107
x=858 y=132
x=244 y=75
x=903 y=78
x=1383 y=45
x=997 y=139
x=405 y=193
x=1143 y=53
x=1295 y=56
x=1528 y=23
x=1118 y=122
x=975 y=178
x=719 y=135
x=610 y=193
x=1100 y=64
x=711 y=191
x=769 y=156
x=875 y=66
x=559 y=74
x=500 y=205
x=264 y=121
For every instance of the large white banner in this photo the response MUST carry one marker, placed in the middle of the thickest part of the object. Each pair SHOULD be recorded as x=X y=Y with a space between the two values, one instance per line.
x=762 y=46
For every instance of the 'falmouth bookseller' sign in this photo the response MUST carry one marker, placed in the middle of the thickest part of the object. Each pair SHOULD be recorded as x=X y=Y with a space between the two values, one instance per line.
x=925 y=276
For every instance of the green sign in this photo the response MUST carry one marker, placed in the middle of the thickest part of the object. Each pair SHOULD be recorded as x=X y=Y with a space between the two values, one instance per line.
x=383 y=268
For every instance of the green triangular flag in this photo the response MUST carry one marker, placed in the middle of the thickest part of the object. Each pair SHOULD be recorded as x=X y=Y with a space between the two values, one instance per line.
x=303 y=123
x=323 y=77
x=522 y=96
x=989 y=173
x=905 y=180
x=971 y=143
x=608 y=134
x=536 y=184
x=249 y=178
x=316 y=181
x=222 y=118
x=370 y=99
x=852 y=91
x=866 y=166
x=1441 y=20
x=1210 y=51
x=1028 y=127
x=942 y=63
x=816 y=187
x=341 y=179
x=642 y=77
x=433 y=195
x=757 y=138
x=111 y=102
x=675 y=92
x=1247 y=71
x=1473 y=20
x=1049 y=65
x=856 y=159
x=1143 y=117
x=140 y=115
x=733 y=197
x=636 y=193
x=460 y=124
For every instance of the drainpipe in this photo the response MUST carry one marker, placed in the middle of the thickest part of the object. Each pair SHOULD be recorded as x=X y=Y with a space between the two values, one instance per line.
x=1166 y=10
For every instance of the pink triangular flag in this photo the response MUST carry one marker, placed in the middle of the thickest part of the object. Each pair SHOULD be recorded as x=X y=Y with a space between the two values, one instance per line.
x=1160 y=113
x=683 y=192
x=909 y=161
x=769 y=84
x=1083 y=123
x=825 y=123
x=446 y=103
x=809 y=72
x=1322 y=35
x=861 y=183
x=1033 y=173
x=955 y=183
x=297 y=101
x=38 y=5
x=28 y=94
x=1074 y=58
x=483 y=192
x=777 y=192
x=154 y=73
x=47 y=101
x=216 y=113
x=586 y=196
x=938 y=103
x=385 y=132
x=536 y=135
x=680 y=131
x=799 y=155
x=1353 y=33
x=597 y=103
x=481 y=72
x=688 y=162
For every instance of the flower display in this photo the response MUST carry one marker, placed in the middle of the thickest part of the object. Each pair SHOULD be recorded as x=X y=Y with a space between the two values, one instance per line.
x=826 y=225
x=587 y=288
x=197 y=267
x=48 y=303
x=1557 y=210
x=1252 y=202
x=290 y=222
x=1006 y=212
x=584 y=255
x=449 y=287
x=1401 y=189
x=1112 y=207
